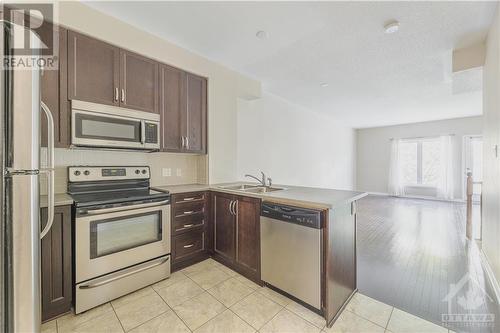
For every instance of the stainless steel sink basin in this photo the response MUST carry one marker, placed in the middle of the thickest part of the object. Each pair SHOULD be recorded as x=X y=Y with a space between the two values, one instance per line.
x=251 y=188
x=238 y=187
x=264 y=189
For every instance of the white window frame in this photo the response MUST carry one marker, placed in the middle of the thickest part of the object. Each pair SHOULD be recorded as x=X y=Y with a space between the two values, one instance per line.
x=419 y=142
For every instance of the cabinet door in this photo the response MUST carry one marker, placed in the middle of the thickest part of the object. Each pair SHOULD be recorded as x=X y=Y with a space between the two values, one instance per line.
x=53 y=89
x=224 y=226
x=94 y=70
x=138 y=82
x=173 y=107
x=196 y=121
x=248 y=235
x=56 y=264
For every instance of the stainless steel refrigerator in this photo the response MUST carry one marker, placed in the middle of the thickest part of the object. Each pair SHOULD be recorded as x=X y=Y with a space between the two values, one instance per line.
x=20 y=232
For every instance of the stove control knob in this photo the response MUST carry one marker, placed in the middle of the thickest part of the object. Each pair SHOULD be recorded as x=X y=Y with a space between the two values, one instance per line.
x=86 y=172
x=137 y=171
x=143 y=171
x=77 y=173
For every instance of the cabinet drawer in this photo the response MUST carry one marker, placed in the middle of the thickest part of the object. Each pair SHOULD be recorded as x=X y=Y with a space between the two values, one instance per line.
x=189 y=209
x=186 y=223
x=189 y=244
x=185 y=198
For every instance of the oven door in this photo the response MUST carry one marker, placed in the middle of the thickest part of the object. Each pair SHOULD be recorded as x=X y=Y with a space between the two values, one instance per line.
x=101 y=130
x=110 y=241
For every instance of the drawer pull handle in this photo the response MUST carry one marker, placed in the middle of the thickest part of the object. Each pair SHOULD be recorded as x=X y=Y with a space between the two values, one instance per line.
x=188 y=212
x=188 y=199
x=188 y=225
x=103 y=281
x=188 y=246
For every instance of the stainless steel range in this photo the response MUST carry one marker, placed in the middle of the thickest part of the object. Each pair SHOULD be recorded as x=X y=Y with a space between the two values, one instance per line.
x=121 y=232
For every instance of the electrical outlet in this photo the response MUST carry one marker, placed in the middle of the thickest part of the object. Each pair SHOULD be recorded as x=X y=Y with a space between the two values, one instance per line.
x=179 y=172
x=166 y=172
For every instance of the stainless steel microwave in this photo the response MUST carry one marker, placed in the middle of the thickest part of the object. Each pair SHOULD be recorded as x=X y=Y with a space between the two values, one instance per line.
x=106 y=126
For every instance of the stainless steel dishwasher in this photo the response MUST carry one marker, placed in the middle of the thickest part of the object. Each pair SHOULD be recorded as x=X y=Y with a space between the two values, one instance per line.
x=291 y=256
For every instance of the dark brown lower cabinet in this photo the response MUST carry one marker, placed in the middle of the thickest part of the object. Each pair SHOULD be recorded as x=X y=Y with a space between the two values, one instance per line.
x=236 y=221
x=191 y=235
x=340 y=260
x=56 y=264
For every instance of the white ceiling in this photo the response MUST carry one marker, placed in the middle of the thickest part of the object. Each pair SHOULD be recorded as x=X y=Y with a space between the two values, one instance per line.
x=374 y=79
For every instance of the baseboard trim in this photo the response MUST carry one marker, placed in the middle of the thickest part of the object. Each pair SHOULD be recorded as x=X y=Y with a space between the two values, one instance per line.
x=381 y=194
x=384 y=194
x=490 y=274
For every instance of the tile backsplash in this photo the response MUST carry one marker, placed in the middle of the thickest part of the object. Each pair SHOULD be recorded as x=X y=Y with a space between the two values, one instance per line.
x=184 y=168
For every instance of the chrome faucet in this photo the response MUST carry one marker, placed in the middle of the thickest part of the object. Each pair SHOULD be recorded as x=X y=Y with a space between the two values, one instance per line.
x=262 y=181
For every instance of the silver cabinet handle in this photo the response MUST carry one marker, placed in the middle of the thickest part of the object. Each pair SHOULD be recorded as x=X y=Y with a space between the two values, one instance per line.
x=103 y=281
x=232 y=206
x=116 y=94
x=188 y=199
x=188 y=212
x=187 y=142
x=182 y=144
x=188 y=246
x=49 y=170
x=235 y=207
x=188 y=225
x=123 y=95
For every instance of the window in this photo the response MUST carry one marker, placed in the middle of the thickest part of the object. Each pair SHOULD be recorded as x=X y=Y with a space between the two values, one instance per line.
x=420 y=162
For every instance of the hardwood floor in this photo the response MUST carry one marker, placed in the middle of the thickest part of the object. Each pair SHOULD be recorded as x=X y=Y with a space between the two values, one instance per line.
x=411 y=252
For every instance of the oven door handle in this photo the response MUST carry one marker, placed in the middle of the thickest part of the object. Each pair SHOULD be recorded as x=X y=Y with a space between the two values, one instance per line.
x=101 y=282
x=120 y=209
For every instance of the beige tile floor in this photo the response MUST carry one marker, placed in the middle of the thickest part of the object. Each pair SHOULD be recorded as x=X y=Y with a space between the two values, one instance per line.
x=210 y=298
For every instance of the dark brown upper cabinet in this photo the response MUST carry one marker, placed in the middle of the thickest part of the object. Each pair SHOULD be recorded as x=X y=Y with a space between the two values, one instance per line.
x=183 y=103
x=196 y=122
x=138 y=82
x=93 y=70
x=53 y=88
x=173 y=106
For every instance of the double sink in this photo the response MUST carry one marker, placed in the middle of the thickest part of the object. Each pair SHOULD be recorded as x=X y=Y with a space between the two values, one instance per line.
x=251 y=188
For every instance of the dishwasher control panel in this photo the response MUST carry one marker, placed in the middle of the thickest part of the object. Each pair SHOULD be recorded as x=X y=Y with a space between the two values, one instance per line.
x=305 y=217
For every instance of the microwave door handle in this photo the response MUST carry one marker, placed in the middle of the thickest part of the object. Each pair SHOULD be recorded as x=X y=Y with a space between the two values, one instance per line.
x=49 y=170
x=143 y=132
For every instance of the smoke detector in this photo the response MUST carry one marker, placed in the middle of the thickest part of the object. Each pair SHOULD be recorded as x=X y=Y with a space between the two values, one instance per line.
x=391 y=27
x=261 y=34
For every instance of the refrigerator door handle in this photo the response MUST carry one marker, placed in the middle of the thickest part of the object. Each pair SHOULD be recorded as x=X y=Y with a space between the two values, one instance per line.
x=49 y=170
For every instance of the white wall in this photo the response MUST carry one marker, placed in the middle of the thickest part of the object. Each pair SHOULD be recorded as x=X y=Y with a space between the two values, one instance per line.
x=491 y=172
x=293 y=145
x=224 y=85
x=373 y=150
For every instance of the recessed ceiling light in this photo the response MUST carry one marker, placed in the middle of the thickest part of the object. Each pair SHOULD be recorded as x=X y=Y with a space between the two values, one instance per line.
x=391 y=27
x=261 y=34
x=324 y=84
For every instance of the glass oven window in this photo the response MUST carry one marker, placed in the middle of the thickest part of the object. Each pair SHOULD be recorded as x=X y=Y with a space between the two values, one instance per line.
x=122 y=233
x=107 y=128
